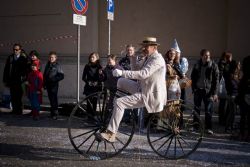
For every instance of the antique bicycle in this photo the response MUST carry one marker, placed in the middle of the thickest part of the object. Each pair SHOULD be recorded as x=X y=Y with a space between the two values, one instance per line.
x=172 y=134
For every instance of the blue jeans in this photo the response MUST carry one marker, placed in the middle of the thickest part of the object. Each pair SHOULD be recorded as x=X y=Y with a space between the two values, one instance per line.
x=199 y=96
x=35 y=104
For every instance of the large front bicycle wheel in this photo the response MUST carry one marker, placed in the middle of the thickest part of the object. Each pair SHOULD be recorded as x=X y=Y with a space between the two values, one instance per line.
x=173 y=134
x=90 y=116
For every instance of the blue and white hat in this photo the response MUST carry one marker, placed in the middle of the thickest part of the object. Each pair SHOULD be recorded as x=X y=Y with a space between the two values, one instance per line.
x=176 y=46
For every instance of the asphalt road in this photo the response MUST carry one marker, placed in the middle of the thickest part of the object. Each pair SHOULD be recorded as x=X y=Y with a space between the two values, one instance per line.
x=24 y=142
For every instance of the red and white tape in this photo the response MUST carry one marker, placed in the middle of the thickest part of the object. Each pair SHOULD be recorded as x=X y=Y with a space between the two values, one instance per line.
x=37 y=40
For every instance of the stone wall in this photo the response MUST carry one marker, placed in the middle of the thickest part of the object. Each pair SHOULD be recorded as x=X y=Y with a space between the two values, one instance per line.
x=47 y=25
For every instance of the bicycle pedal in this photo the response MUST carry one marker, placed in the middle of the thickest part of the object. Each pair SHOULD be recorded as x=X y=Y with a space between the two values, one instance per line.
x=98 y=137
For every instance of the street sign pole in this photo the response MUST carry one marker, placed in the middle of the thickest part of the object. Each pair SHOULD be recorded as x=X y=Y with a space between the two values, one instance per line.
x=79 y=7
x=110 y=16
x=109 y=37
x=78 y=62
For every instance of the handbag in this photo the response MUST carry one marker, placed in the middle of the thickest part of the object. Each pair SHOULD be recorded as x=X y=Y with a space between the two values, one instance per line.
x=247 y=99
x=173 y=89
x=185 y=83
x=222 y=88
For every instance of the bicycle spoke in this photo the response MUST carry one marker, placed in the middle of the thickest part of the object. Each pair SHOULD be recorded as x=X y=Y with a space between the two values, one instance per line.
x=86 y=139
x=85 y=133
x=92 y=107
x=163 y=127
x=97 y=147
x=104 y=107
x=105 y=148
x=89 y=115
x=189 y=145
x=106 y=112
x=84 y=122
x=124 y=133
x=169 y=126
x=99 y=105
x=161 y=137
x=171 y=137
x=175 y=147
x=81 y=119
x=90 y=146
x=119 y=140
x=82 y=109
x=113 y=146
x=88 y=126
x=180 y=145
x=107 y=115
x=166 y=152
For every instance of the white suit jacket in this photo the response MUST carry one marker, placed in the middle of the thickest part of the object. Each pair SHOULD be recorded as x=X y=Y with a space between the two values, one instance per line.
x=151 y=75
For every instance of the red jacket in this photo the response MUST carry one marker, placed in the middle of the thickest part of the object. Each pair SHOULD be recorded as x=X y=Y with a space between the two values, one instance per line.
x=35 y=79
x=37 y=62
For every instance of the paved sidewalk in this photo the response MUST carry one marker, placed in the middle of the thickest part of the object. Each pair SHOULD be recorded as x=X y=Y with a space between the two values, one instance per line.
x=24 y=142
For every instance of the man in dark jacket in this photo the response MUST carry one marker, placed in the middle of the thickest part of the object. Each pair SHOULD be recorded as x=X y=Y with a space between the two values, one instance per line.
x=52 y=75
x=205 y=78
x=125 y=61
x=13 y=77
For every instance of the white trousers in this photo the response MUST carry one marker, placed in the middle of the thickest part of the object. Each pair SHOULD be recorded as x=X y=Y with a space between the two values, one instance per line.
x=127 y=102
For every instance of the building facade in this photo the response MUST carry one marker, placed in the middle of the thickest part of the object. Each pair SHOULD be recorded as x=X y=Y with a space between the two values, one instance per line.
x=47 y=25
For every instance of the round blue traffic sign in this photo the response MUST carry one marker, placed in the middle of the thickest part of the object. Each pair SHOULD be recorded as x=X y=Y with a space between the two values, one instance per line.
x=79 y=6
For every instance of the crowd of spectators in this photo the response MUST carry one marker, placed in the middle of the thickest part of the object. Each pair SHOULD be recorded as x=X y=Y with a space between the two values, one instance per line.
x=22 y=74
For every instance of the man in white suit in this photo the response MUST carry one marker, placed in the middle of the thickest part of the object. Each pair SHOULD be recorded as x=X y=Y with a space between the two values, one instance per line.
x=149 y=91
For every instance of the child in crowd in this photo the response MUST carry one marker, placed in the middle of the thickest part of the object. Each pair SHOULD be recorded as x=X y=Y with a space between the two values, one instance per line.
x=35 y=84
x=33 y=58
x=52 y=75
x=110 y=82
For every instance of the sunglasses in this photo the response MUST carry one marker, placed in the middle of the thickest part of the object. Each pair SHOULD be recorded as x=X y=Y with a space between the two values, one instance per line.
x=16 y=49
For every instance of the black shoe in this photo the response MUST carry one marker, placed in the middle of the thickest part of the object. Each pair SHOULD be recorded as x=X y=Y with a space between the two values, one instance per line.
x=222 y=123
x=36 y=118
x=127 y=121
x=54 y=117
x=29 y=114
x=209 y=131
x=17 y=113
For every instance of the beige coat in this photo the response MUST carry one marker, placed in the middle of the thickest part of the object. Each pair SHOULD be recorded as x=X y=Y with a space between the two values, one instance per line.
x=151 y=75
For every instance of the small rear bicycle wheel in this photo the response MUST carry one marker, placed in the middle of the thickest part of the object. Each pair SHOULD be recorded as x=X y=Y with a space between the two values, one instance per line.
x=174 y=137
x=90 y=116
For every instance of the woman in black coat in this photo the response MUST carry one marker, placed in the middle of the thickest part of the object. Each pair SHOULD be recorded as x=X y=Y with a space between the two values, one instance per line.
x=243 y=99
x=92 y=78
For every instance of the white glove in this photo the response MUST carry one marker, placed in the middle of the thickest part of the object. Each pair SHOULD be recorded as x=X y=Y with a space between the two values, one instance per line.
x=117 y=73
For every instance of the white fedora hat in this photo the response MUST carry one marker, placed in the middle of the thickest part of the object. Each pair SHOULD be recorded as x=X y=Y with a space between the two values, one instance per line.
x=149 y=41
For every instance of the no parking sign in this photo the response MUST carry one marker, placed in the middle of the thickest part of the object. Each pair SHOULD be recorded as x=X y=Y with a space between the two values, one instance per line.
x=80 y=6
